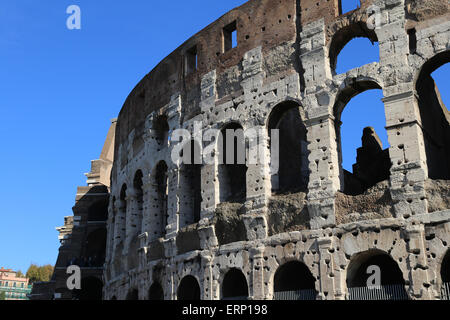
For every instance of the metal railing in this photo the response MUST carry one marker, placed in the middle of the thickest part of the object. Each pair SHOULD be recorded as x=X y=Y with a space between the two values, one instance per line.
x=445 y=291
x=388 y=292
x=296 y=295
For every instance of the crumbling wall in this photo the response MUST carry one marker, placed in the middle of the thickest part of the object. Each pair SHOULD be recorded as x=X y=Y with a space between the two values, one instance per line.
x=287 y=213
x=228 y=222
x=421 y=10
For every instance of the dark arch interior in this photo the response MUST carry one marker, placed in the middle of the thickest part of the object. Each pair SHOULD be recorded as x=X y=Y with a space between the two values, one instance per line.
x=91 y=289
x=345 y=35
x=188 y=289
x=357 y=271
x=133 y=295
x=372 y=162
x=156 y=292
x=293 y=276
x=293 y=170
x=192 y=178
x=137 y=184
x=435 y=119
x=161 y=127
x=234 y=285
x=445 y=268
x=161 y=179
x=98 y=211
x=95 y=249
x=232 y=170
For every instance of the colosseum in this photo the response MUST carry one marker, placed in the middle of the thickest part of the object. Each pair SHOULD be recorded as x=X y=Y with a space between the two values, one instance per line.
x=309 y=230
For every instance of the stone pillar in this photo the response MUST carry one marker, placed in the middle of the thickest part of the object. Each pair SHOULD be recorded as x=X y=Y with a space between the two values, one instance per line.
x=172 y=204
x=324 y=179
x=420 y=281
x=208 y=290
x=130 y=218
x=120 y=228
x=257 y=288
x=407 y=153
x=326 y=269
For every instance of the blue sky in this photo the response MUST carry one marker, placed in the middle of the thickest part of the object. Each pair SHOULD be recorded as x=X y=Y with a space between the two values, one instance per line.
x=60 y=88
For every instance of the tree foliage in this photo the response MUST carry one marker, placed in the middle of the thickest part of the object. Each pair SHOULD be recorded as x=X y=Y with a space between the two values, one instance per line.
x=2 y=295
x=39 y=273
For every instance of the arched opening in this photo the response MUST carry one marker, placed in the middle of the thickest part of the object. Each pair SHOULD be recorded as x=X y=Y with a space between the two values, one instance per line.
x=188 y=289
x=98 y=211
x=363 y=117
x=137 y=184
x=190 y=182
x=123 y=212
x=445 y=277
x=345 y=56
x=234 y=285
x=91 y=289
x=435 y=118
x=374 y=275
x=294 y=281
x=160 y=205
x=161 y=128
x=156 y=292
x=346 y=6
x=133 y=294
x=291 y=158
x=232 y=164
x=95 y=249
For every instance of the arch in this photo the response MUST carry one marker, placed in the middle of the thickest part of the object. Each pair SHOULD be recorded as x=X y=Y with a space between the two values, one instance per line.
x=291 y=158
x=232 y=164
x=358 y=274
x=160 y=195
x=161 y=128
x=98 y=211
x=188 y=289
x=234 y=285
x=95 y=249
x=123 y=212
x=373 y=162
x=434 y=117
x=355 y=29
x=138 y=185
x=133 y=294
x=156 y=292
x=294 y=281
x=91 y=289
x=190 y=184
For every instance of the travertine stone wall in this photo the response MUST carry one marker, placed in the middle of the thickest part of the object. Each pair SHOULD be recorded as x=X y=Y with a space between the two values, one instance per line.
x=286 y=51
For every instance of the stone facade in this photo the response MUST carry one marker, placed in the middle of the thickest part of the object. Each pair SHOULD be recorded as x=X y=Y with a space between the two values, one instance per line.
x=178 y=232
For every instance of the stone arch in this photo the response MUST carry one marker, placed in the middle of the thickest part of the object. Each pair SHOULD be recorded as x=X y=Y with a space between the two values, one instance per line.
x=159 y=194
x=188 y=289
x=434 y=118
x=373 y=162
x=190 y=196
x=294 y=281
x=292 y=154
x=139 y=192
x=234 y=285
x=133 y=294
x=161 y=129
x=358 y=273
x=345 y=30
x=91 y=289
x=156 y=292
x=95 y=249
x=232 y=171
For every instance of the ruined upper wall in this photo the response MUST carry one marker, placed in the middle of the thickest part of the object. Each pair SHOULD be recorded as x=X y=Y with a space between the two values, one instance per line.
x=265 y=23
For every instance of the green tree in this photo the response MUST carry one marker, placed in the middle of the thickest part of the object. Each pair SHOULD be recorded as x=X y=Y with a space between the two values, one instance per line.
x=2 y=295
x=19 y=274
x=39 y=273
